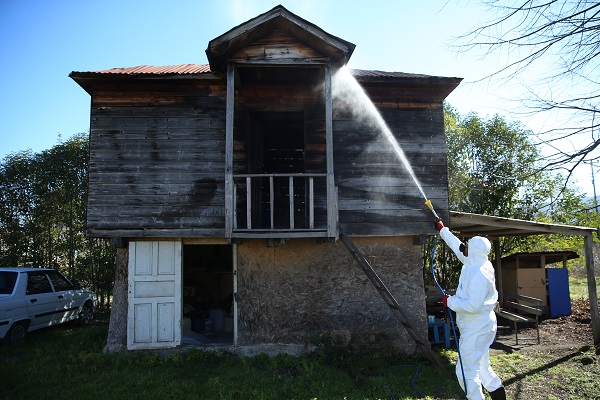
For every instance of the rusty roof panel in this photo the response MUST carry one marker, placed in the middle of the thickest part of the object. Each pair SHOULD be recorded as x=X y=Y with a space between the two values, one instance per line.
x=182 y=69
x=442 y=86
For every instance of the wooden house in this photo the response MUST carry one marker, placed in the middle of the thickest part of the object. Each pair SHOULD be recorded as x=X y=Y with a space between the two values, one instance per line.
x=227 y=184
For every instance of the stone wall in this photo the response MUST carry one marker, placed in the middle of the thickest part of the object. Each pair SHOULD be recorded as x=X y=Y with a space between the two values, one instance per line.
x=301 y=291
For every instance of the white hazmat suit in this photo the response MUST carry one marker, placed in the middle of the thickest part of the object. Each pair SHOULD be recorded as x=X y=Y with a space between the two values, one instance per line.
x=474 y=303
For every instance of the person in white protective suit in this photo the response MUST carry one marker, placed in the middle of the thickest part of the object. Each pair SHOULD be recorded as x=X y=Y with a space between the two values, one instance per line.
x=474 y=303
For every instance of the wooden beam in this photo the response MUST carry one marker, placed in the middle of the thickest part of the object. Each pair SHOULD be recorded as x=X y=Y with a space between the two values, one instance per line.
x=291 y=194
x=230 y=104
x=331 y=192
x=248 y=203
x=591 y=278
x=498 y=256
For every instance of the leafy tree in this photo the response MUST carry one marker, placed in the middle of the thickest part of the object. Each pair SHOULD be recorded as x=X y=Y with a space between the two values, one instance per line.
x=42 y=215
x=16 y=205
x=488 y=161
x=492 y=171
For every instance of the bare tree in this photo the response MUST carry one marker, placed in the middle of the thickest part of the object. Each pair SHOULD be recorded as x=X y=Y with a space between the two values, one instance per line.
x=560 y=41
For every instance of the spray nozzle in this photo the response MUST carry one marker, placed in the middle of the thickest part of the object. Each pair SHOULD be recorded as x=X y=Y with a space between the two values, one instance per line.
x=430 y=206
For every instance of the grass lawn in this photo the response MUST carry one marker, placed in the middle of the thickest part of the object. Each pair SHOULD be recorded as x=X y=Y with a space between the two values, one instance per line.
x=578 y=287
x=67 y=362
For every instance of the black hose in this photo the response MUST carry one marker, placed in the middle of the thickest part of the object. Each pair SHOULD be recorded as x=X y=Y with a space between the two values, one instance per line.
x=412 y=381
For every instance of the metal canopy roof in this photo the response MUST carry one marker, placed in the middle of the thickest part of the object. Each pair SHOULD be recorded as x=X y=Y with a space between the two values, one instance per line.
x=494 y=227
x=550 y=256
x=467 y=224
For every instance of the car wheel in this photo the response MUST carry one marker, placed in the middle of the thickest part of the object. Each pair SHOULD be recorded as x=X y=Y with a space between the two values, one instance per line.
x=86 y=315
x=16 y=334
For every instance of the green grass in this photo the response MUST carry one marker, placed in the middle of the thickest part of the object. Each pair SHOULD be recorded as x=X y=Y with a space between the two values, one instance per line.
x=578 y=287
x=67 y=362
x=570 y=374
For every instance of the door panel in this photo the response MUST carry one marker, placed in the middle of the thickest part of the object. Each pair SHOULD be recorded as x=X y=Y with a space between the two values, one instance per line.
x=42 y=301
x=154 y=317
x=69 y=299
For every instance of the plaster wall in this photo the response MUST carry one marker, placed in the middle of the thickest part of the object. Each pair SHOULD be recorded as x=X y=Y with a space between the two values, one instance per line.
x=301 y=292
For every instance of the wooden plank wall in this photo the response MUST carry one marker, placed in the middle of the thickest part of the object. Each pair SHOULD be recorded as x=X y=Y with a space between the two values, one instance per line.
x=277 y=47
x=376 y=194
x=157 y=160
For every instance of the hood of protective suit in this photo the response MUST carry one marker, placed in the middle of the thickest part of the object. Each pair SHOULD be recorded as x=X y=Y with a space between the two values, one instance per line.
x=479 y=248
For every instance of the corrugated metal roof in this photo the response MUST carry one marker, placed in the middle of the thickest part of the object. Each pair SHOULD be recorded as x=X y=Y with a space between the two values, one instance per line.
x=187 y=69
x=182 y=69
x=363 y=73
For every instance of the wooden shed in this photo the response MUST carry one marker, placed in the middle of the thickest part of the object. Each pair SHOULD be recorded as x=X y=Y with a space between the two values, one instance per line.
x=226 y=184
x=526 y=274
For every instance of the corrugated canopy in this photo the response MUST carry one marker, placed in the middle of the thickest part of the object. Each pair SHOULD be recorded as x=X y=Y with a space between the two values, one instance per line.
x=467 y=224
x=549 y=257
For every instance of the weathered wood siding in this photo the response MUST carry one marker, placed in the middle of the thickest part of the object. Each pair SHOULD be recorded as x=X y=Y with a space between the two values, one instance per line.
x=157 y=155
x=278 y=48
x=376 y=194
x=157 y=158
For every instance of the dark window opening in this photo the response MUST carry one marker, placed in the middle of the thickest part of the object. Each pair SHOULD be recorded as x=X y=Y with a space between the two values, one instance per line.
x=277 y=146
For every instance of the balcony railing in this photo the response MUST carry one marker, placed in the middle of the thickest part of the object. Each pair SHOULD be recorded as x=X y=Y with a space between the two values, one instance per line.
x=280 y=205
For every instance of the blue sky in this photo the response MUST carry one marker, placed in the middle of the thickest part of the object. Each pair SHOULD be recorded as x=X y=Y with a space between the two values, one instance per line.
x=43 y=41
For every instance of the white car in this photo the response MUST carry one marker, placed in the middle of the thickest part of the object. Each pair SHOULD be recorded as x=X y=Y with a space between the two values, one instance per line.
x=34 y=298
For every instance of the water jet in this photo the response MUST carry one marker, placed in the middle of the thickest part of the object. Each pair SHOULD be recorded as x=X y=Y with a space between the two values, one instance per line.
x=347 y=89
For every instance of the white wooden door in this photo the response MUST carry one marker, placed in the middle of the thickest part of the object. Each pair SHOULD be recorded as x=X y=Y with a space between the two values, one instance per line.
x=154 y=294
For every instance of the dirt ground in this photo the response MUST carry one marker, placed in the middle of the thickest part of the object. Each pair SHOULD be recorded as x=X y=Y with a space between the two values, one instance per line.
x=563 y=340
x=575 y=329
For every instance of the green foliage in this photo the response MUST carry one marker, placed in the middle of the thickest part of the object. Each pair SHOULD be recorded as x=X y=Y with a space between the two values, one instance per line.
x=493 y=170
x=42 y=215
x=578 y=287
x=488 y=161
x=67 y=362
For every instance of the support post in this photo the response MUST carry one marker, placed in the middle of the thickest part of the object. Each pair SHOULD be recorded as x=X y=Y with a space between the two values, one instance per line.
x=332 y=210
x=116 y=340
x=229 y=113
x=591 y=279
x=498 y=256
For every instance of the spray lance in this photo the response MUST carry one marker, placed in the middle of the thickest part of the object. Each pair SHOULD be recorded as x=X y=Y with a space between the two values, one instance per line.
x=437 y=218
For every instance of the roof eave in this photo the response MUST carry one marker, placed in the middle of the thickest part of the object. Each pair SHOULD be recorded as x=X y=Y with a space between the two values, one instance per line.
x=468 y=224
x=87 y=80
x=440 y=87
